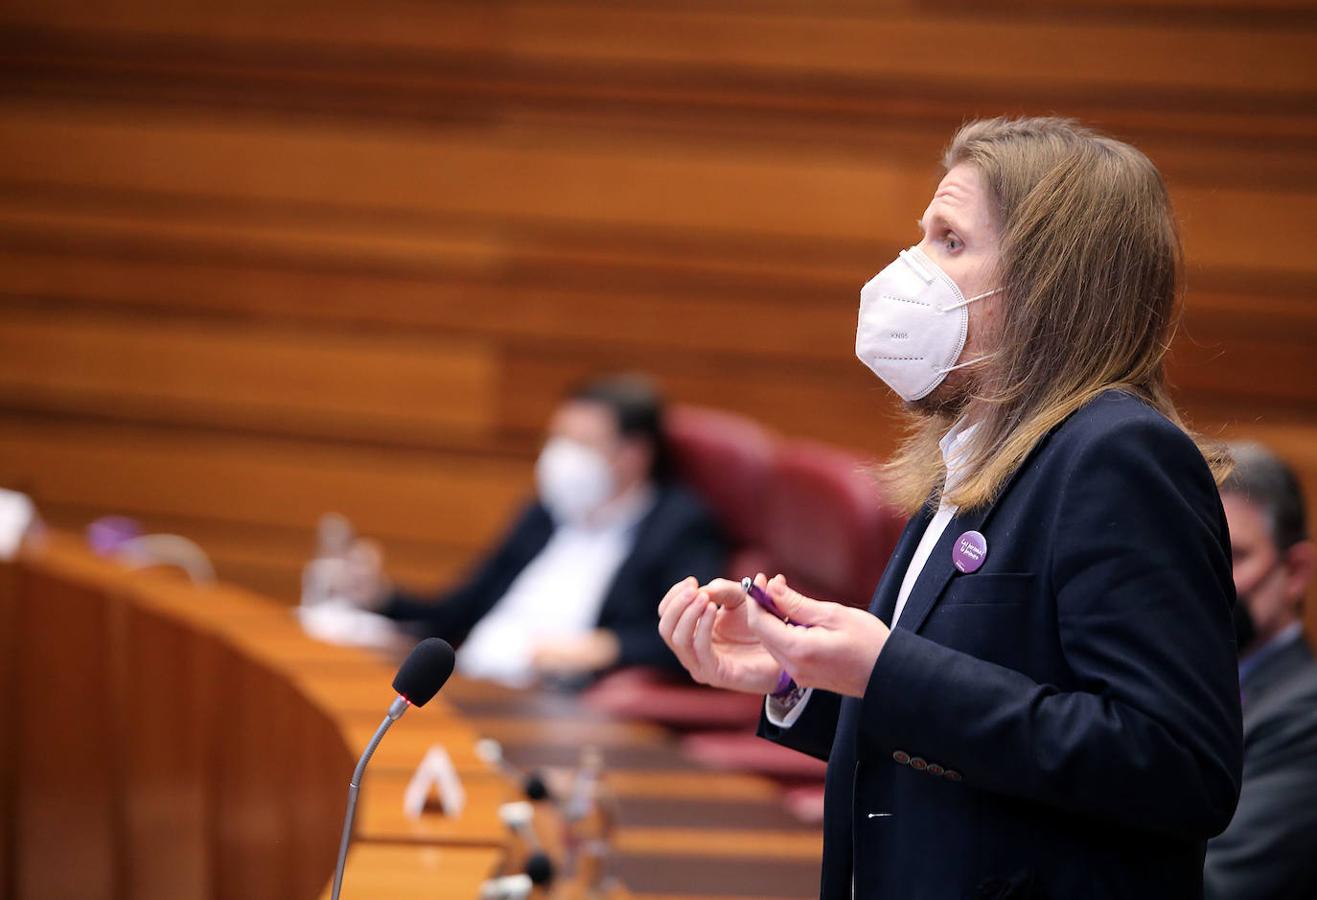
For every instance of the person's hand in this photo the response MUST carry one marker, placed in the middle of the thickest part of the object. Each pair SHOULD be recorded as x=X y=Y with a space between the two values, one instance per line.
x=576 y=655
x=363 y=583
x=707 y=629
x=836 y=652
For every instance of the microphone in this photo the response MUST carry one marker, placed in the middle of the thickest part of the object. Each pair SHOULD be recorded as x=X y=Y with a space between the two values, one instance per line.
x=420 y=677
x=539 y=869
x=538 y=874
x=532 y=783
x=425 y=670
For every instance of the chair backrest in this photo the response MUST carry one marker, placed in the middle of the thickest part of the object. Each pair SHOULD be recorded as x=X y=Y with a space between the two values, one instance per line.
x=801 y=508
x=826 y=524
x=726 y=459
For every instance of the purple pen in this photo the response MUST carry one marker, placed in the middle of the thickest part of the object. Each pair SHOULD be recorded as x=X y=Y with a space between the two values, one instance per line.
x=760 y=596
x=785 y=684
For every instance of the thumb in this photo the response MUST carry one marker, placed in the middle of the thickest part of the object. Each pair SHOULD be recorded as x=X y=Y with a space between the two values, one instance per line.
x=795 y=605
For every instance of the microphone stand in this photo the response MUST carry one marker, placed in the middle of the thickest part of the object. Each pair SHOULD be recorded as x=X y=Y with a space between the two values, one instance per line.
x=396 y=709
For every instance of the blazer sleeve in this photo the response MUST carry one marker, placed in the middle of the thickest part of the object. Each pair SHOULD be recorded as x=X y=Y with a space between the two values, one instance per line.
x=695 y=548
x=453 y=613
x=813 y=732
x=1147 y=733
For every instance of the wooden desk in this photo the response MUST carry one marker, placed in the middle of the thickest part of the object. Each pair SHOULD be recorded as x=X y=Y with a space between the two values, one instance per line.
x=177 y=742
x=174 y=741
x=406 y=872
x=380 y=816
x=411 y=737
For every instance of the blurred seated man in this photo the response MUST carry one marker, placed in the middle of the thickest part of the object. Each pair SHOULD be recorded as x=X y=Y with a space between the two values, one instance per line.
x=570 y=590
x=1270 y=848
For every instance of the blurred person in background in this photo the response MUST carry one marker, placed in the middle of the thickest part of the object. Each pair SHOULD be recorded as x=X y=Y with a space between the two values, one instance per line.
x=569 y=590
x=1270 y=849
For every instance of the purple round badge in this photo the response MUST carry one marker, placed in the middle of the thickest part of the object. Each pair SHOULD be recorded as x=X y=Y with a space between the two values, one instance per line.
x=969 y=551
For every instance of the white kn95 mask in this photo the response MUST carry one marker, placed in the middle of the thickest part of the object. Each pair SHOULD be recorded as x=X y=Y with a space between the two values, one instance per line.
x=573 y=480
x=913 y=323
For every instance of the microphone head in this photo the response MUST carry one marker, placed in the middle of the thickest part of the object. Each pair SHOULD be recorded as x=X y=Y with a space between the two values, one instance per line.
x=535 y=787
x=424 y=671
x=540 y=869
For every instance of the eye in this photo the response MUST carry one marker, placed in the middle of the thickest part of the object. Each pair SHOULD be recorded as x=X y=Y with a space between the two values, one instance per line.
x=954 y=244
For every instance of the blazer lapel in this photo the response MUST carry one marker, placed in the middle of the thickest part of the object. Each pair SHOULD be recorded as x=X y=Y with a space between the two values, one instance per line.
x=932 y=582
x=939 y=569
x=884 y=600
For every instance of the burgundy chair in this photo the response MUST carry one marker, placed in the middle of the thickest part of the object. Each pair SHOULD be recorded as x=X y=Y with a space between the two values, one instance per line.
x=726 y=459
x=826 y=525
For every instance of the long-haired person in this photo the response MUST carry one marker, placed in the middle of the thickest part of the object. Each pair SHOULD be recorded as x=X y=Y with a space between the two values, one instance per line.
x=1042 y=700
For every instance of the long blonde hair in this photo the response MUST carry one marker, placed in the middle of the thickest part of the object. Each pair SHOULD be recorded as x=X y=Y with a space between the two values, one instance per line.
x=1090 y=266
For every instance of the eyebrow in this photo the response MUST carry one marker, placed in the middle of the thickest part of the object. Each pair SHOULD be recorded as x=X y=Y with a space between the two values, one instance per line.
x=939 y=216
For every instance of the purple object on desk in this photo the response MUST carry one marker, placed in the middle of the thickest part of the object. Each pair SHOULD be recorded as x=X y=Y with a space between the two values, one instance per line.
x=108 y=533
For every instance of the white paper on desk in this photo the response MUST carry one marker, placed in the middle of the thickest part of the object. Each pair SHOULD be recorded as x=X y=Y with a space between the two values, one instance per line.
x=16 y=515
x=343 y=623
x=435 y=772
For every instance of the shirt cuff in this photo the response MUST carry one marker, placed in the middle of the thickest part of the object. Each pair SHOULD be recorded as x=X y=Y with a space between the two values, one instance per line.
x=785 y=712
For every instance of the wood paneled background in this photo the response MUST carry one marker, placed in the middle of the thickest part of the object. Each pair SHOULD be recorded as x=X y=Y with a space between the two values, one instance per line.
x=262 y=260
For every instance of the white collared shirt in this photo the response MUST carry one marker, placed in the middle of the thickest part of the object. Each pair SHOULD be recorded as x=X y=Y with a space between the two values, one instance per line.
x=559 y=594
x=953 y=444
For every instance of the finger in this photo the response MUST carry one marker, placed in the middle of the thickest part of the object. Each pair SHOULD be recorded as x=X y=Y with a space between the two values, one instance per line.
x=680 y=650
x=795 y=605
x=681 y=588
x=677 y=604
x=786 y=664
x=684 y=632
x=779 y=638
x=702 y=643
x=726 y=593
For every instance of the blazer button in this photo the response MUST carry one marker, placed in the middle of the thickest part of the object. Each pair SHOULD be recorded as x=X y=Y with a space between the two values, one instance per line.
x=918 y=763
x=935 y=770
x=901 y=757
x=951 y=775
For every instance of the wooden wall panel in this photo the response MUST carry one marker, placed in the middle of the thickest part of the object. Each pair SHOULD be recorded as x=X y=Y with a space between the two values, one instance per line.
x=240 y=376
x=613 y=181
x=164 y=472
x=259 y=263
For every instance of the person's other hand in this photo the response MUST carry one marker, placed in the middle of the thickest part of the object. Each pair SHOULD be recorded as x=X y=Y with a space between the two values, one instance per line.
x=363 y=583
x=707 y=629
x=836 y=652
x=576 y=655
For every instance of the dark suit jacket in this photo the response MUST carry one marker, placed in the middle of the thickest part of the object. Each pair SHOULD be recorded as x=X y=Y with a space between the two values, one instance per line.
x=1065 y=721
x=1270 y=849
x=676 y=538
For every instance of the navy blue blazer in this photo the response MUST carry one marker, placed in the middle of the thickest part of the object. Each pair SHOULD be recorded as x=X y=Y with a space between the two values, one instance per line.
x=676 y=538
x=1065 y=721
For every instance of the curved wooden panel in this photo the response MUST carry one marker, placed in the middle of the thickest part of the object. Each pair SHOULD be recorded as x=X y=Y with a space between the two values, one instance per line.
x=173 y=741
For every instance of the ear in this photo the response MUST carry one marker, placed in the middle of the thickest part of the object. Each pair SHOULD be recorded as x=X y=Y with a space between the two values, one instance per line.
x=635 y=459
x=1300 y=565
